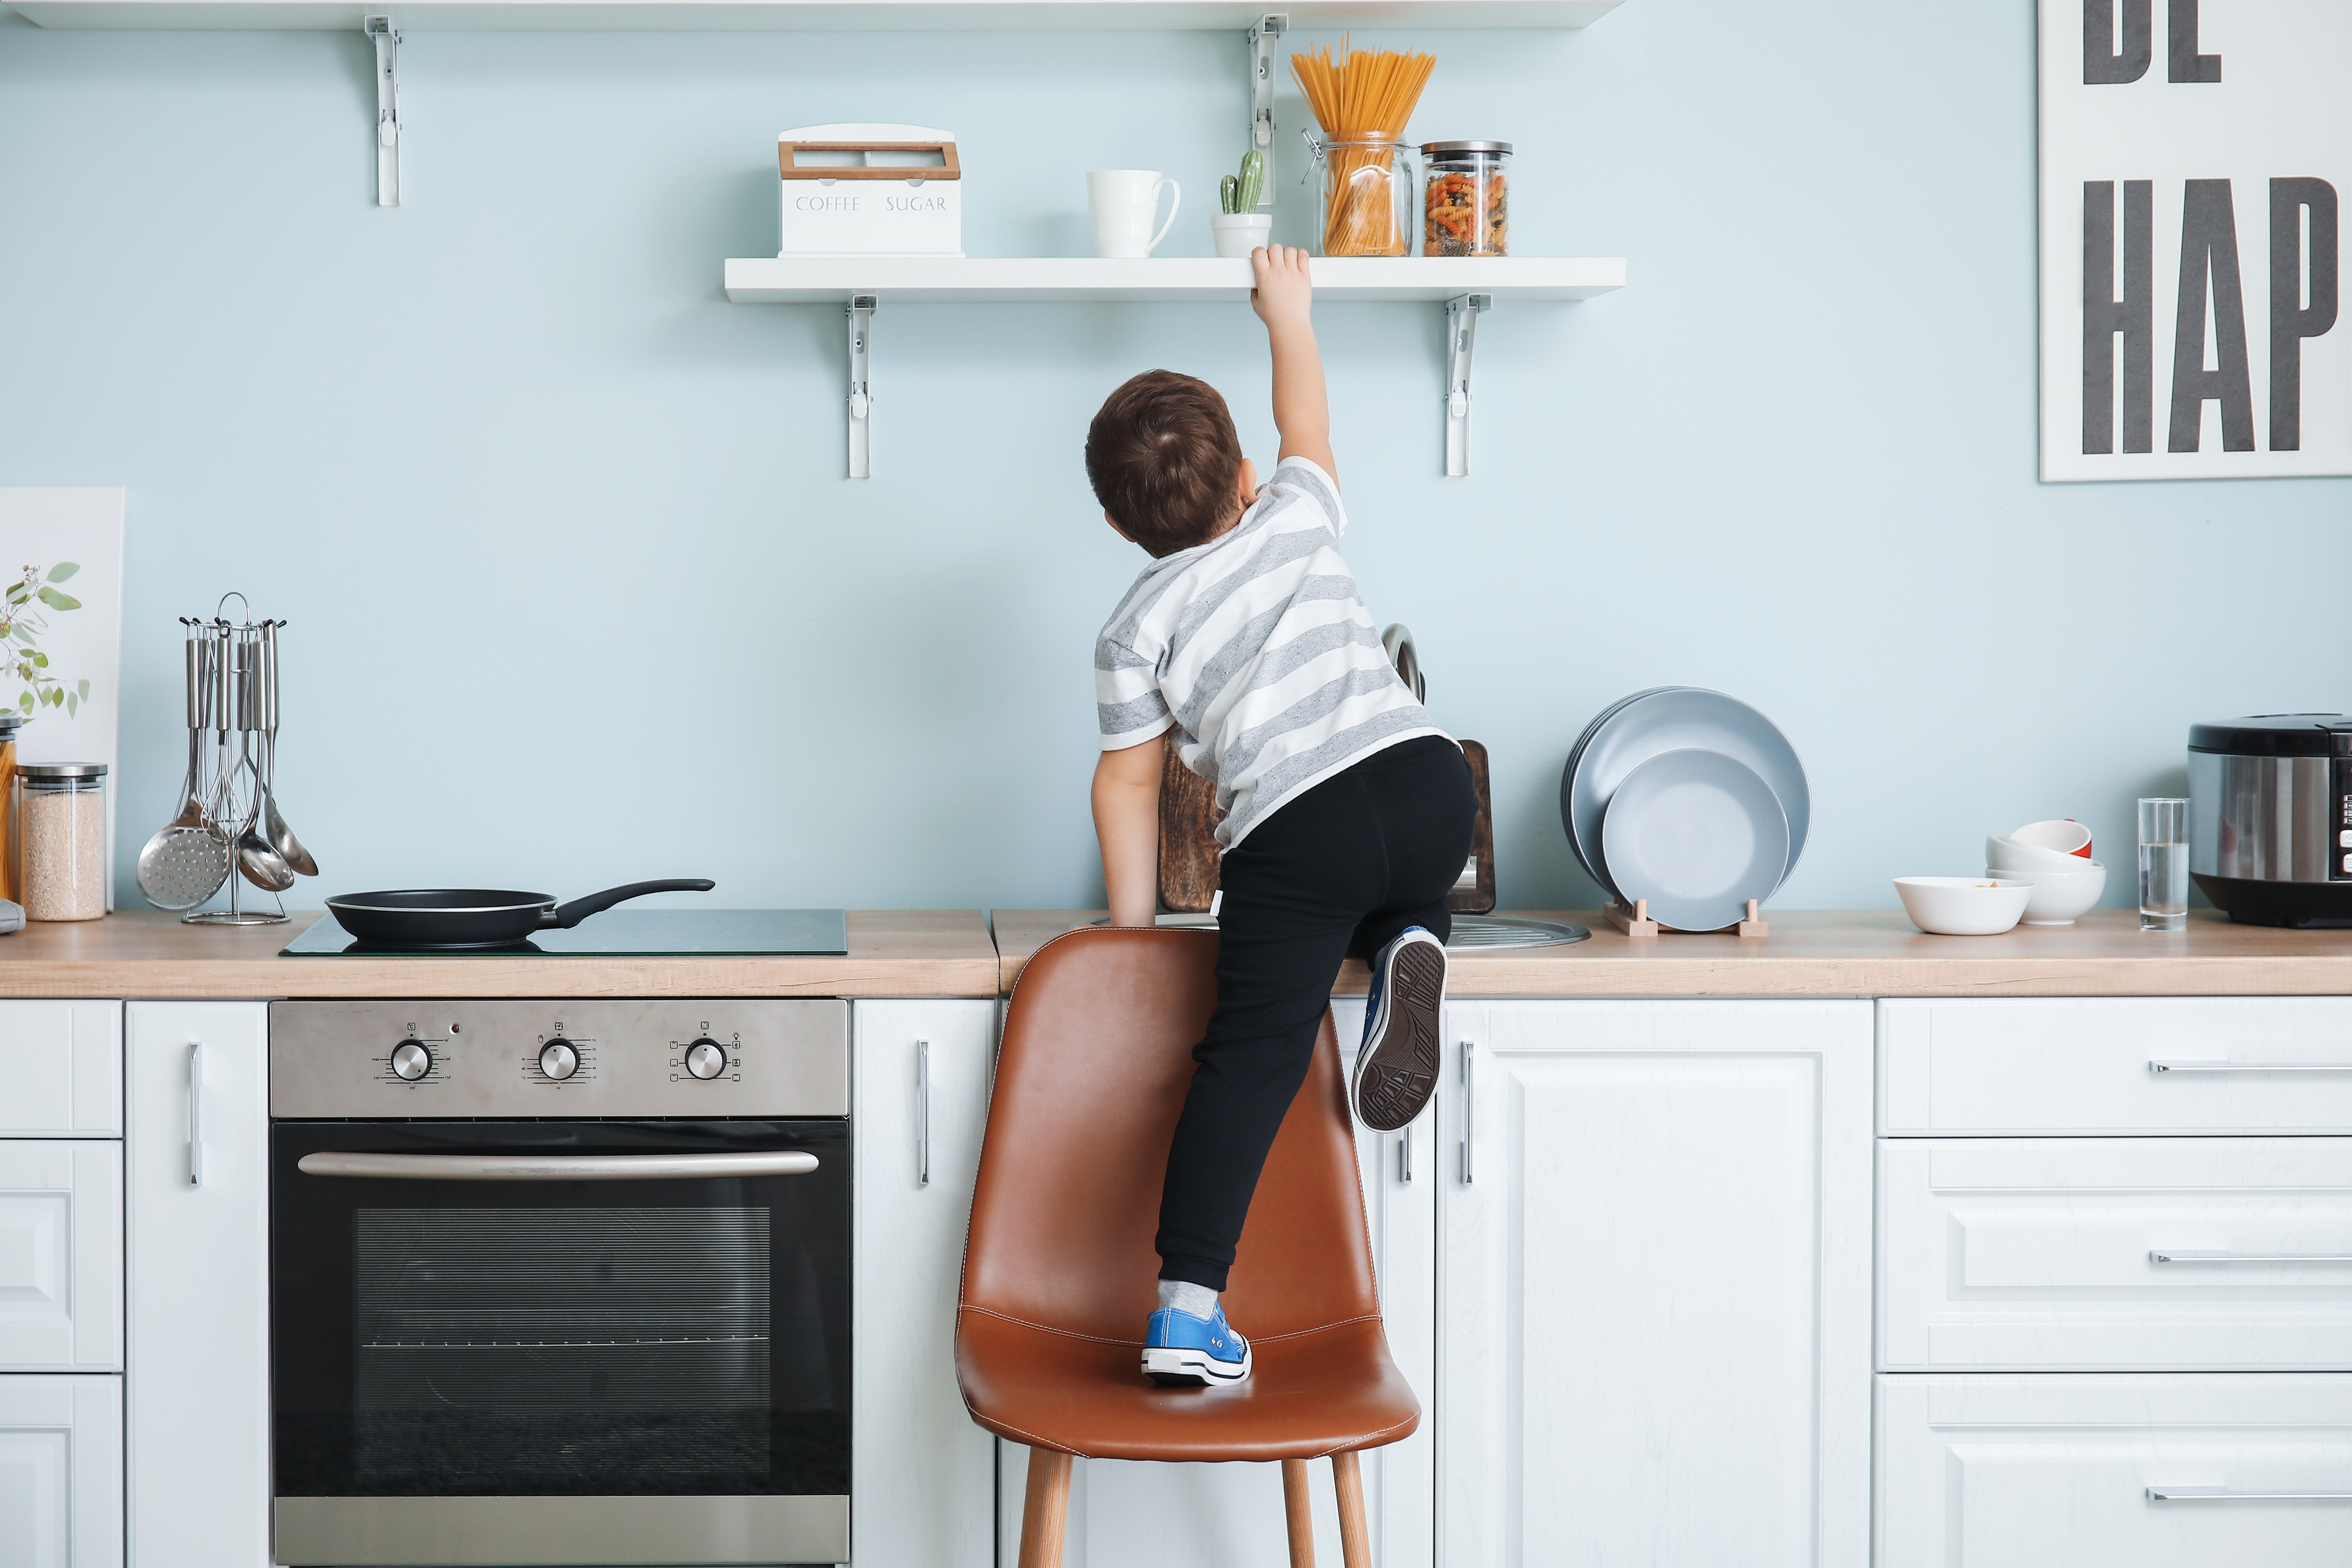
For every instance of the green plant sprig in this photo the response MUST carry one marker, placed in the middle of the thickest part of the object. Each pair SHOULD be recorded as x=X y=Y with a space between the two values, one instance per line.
x=1239 y=193
x=21 y=625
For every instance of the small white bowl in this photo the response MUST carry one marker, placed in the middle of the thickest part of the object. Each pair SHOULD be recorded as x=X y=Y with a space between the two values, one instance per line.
x=1962 y=905
x=2063 y=834
x=2006 y=855
x=2059 y=897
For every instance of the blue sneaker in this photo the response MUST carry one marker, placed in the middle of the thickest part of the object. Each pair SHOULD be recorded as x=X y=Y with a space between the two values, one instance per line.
x=1181 y=1351
x=1396 y=1070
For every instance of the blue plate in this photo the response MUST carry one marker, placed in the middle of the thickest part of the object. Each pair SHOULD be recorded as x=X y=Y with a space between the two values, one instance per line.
x=1671 y=719
x=1696 y=833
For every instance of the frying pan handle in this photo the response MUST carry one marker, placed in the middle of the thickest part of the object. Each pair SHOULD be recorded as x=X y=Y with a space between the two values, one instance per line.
x=563 y=917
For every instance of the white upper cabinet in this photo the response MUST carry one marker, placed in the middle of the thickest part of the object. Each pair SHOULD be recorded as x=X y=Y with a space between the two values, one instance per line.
x=923 y=1474
x=61 y=1472
x=2057 y=1471
x=2060 y=1252
x=60 y=1069
x=2115 y=1065
x=198 y=1367
x=61 y=1256
x=1653 y=1312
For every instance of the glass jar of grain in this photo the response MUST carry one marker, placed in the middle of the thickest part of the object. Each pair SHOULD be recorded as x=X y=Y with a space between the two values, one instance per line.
x=62 y=840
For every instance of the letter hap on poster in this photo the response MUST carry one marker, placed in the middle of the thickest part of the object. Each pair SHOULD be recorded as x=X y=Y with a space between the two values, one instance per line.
x=2194 y=159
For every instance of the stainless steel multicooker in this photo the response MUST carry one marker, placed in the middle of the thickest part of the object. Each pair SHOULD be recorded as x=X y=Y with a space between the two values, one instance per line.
x=560 y=1282
x=2270 y=818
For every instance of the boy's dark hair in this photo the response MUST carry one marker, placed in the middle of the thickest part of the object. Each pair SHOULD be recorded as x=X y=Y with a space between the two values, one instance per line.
x=1164 y=459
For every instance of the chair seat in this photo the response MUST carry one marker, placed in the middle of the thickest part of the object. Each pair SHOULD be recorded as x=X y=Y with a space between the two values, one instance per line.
x=1324 y=1391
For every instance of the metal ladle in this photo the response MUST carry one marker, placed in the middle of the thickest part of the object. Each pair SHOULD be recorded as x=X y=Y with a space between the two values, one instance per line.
x=262 y=865
x=273 y=827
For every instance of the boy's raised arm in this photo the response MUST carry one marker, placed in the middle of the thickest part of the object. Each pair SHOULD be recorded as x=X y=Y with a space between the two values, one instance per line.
x=1282 y=299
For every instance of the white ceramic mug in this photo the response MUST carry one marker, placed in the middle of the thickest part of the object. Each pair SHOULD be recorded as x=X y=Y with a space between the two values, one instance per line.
x=1123 y=202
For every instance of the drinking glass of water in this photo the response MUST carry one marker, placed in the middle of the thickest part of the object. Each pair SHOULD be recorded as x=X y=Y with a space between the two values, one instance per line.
x=2163 y=865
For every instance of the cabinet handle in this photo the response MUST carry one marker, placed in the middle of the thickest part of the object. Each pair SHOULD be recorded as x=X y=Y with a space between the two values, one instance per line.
x=2185 y=1254
x=1404 y=1155
x=922 y=1113
x=2250 y=1067
x=555 y=1167
x=195 y=1123
x=1469 y=1099
x=2225 y=1494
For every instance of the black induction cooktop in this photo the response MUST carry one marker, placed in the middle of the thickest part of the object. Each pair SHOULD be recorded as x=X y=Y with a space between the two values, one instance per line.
x=618 y=933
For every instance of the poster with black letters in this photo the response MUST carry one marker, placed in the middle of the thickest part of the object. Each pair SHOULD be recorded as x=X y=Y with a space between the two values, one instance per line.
x=2193 y=155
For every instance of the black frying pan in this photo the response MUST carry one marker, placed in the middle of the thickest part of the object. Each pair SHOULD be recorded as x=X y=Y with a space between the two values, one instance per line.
x=446 y=919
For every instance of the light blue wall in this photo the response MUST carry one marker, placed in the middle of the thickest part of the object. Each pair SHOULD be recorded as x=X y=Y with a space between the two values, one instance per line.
x=579 y=592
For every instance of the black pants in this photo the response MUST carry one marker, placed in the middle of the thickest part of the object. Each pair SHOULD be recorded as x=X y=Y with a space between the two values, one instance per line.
x=1341 y=869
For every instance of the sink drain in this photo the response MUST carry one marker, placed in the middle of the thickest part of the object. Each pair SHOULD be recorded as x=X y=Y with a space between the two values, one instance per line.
x=1506 y=931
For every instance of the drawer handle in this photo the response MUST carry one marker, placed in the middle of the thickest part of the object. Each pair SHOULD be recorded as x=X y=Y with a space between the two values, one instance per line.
x=2224 y=1494
x=2185 y=1255
x=2250 y=1067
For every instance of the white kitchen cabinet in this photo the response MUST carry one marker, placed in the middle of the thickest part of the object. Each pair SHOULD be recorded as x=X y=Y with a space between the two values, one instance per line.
x=2149 y=1066
x=198 y=1353
x=1125 y=1514
x=60 y=1069
x=2026 y=1254
x=61 y=1472
x=60 y=1256
x=1653 y=1306
x=2054 y=1470
x=924 y=1473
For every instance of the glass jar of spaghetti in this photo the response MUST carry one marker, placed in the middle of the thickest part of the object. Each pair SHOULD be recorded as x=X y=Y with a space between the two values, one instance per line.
x=1368 y=206
x=1466 y=207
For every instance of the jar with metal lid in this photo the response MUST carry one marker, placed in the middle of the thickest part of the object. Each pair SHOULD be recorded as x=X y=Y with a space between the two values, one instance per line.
x=1466 y=205
x=62 y=840
x=1367 y=206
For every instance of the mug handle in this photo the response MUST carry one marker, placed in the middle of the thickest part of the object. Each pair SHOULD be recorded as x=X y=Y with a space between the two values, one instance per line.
x=1176 y=200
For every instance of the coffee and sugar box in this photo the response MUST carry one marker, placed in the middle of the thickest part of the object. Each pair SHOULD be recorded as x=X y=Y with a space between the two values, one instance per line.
x=870 y=190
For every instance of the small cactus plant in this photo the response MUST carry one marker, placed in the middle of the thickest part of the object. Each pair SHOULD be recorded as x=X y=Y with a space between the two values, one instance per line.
x=1239 y=193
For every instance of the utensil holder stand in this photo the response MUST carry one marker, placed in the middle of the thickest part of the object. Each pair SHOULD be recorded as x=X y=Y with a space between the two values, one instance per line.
x=1636 y=922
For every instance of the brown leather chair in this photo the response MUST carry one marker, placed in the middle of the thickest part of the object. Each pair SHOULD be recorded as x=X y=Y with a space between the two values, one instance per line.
x=1059 y=1272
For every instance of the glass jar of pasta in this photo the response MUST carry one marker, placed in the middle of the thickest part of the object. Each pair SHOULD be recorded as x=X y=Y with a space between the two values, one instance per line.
x=1366 y=198
x=1466 y=205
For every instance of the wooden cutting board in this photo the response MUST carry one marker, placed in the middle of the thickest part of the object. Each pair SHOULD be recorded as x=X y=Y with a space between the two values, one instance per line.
x=1188 y=841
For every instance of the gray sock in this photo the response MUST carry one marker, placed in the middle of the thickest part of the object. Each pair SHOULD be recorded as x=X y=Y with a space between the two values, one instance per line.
x=1198 y=1300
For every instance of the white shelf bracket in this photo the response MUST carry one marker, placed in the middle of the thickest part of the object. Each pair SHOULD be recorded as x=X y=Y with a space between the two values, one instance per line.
x=1261 y=41
x=387 y=108
x=1461 y=338
x=860 y=312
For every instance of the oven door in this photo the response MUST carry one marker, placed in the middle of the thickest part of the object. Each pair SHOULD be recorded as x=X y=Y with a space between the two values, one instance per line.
x=560 y=1343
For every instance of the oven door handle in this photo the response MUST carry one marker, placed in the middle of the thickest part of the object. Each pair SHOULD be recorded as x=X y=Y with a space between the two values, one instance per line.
x=557 y=1167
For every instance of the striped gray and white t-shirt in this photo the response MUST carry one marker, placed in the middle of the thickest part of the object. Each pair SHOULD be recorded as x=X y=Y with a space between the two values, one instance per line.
x=1255 y=649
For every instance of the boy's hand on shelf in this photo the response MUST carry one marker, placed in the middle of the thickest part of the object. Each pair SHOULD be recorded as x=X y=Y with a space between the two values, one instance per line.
x=1284 y=294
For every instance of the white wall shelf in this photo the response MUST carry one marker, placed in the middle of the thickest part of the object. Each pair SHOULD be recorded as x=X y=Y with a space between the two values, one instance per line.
x=1162 y=281
x=807 y=15
x=1462 y=286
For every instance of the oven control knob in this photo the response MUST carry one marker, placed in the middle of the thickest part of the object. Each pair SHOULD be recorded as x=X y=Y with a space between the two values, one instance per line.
x=411 y=1061
x=559 y=1060
x=706 y=1059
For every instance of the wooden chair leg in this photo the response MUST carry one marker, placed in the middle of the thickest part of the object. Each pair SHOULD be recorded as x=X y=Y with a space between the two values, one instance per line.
x=1355 y=1540
x=1296 y=1514
x=1045 y=1511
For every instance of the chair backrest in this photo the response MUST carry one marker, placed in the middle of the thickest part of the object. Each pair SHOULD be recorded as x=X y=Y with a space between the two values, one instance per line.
x=1096 y=1060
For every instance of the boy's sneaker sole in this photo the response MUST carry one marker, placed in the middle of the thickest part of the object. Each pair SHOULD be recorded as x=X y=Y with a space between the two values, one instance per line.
x=1396 y=1072
x=1172 y=1367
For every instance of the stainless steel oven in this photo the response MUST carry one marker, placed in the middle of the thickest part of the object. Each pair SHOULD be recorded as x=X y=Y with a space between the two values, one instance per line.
x=560 y=1282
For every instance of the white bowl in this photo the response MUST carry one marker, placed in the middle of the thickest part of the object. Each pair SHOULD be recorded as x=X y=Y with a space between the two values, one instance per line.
x=1962 y=905
x=2006 y=855
x=2059 y=897
x=2065 y=836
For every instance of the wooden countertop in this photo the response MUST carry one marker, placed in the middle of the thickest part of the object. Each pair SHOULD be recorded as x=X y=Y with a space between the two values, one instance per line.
x=1869 y=953
x=144 y=953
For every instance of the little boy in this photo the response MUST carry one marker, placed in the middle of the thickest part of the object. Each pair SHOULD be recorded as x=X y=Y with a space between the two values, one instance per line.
x=1347 y=813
